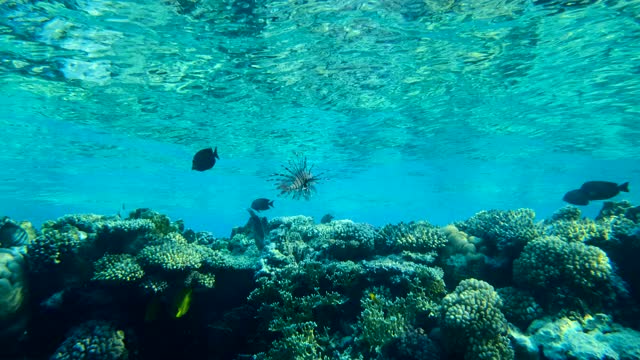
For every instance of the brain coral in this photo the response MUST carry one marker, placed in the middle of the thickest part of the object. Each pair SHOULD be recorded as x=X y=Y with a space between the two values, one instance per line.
x=473 y=323
x=93 y=340
x=12 y=289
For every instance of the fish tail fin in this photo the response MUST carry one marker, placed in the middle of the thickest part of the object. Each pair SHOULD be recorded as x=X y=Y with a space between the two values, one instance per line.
x=271 y=203
x=624 y=187
x=215 y=153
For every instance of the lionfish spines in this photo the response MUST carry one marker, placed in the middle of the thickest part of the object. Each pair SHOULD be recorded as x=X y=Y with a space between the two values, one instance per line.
x=297 y=180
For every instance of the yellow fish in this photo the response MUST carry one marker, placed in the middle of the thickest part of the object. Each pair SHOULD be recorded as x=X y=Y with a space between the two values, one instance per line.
x=183 y=302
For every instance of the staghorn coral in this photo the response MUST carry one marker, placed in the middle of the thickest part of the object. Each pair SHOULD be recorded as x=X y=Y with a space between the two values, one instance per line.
x=473 y=323
x=93 y=340
x=386 y=320
x=119 y=268
x=381 y=320
x=299 y=341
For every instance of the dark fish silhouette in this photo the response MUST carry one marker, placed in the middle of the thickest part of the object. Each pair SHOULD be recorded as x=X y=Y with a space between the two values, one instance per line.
x=326 y=219
x=261 y=204
x=258 y=226
x=594 y=190
x=602 y=190
x=12 y=235
x=205 y=159
x=576 y=197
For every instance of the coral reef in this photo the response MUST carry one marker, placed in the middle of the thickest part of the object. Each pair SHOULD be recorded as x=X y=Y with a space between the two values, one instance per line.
x=13 y=292
x=415 y=237
x=556 y=267
x=502 y=231
x=118 y=268
x=332 y=290
x=93 y=340
x=473 y=323
x=590 y=337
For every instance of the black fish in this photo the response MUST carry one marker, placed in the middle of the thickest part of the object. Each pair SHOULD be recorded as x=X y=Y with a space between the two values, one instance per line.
x=205 y=159
x=326 y=219
x=261 y=204
x=576 y=197
x=258 y=226
x=602 y=190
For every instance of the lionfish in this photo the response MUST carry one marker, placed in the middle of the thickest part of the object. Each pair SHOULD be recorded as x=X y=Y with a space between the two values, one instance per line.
x=297 y=180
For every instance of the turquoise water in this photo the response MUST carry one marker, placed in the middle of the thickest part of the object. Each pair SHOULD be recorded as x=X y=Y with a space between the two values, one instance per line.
x=414 y=109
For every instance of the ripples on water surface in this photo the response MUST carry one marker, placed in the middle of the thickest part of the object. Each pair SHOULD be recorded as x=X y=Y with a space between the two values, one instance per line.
x=416 y=108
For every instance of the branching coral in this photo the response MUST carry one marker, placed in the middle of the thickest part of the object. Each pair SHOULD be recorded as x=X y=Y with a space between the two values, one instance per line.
x=346 y=240
x=174 y=253
x=93 y=340
x=473 y=323
x=415 y=236
x=552 y=263
x=519 y=307
x=119 y=268
x=506 y=231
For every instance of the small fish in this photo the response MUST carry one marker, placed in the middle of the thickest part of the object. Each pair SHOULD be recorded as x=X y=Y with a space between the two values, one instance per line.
x=183 y=302
x=576 y=197
x=12 y=235
x=326 y=219
x=602 y=190
x=261 y=204
x=205 y=159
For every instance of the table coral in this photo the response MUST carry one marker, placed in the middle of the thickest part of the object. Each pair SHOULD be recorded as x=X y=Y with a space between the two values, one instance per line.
x=174 y=253
x=118 y=268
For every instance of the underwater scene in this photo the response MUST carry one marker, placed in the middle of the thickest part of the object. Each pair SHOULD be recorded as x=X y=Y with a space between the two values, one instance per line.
x=320 y=179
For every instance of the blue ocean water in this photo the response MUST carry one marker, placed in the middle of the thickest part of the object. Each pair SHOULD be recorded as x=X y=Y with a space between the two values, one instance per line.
x=430 y=110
